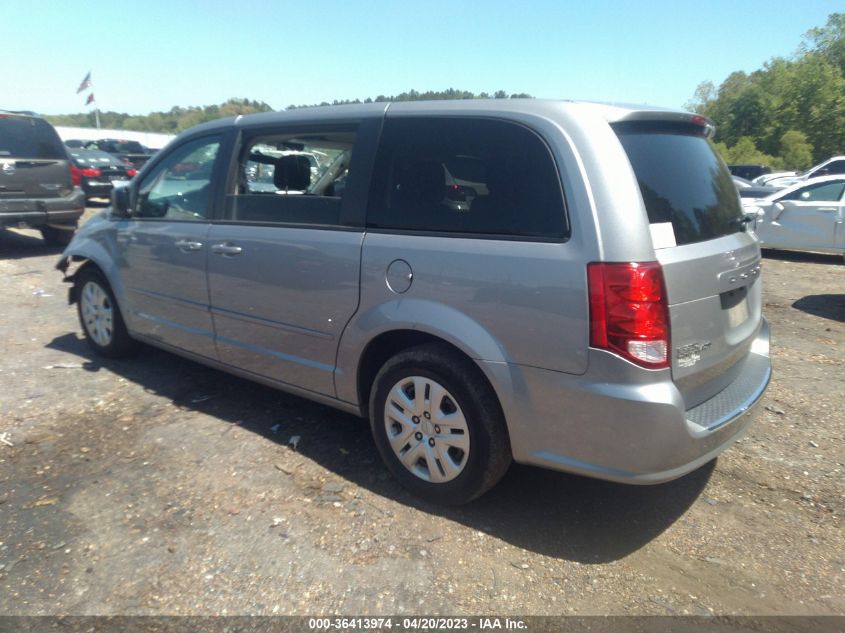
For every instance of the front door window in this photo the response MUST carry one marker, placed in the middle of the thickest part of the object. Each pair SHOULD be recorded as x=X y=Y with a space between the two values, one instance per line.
x=178 y=187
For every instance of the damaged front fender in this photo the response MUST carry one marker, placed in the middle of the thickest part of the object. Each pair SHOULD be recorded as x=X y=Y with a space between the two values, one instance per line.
x=93 y=245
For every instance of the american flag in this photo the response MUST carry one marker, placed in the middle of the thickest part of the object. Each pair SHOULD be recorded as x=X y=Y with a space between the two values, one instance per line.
x=86 y=83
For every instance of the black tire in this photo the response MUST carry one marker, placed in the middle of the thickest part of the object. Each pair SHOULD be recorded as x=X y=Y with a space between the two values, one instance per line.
x=120 y=344
x=54 y=236
x=489 y=454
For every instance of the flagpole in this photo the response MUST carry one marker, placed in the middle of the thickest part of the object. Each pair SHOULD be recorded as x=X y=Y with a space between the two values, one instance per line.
x=97 y=116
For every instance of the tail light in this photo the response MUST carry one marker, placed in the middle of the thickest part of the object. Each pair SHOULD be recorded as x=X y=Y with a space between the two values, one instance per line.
x=131 y=172
x=91 y=172
x=629 y=311
x=75 y=176
x=456 y=193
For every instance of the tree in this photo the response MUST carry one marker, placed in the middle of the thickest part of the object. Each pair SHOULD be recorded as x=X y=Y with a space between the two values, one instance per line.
x=804 y=94
x=703 y=98
x=828 y=40
x=796 y=152
x=745 y=152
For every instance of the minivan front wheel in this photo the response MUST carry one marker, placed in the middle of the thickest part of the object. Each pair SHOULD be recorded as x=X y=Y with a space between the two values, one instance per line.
x=438 y=425
x=100 y=316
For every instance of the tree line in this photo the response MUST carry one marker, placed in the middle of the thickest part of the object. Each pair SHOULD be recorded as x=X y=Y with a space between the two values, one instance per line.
x=179 y=118
x=790 y=113
x=171 y=122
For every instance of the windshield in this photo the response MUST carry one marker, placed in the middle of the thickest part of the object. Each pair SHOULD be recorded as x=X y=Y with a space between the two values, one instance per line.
x=25 y=137
x=682 y=180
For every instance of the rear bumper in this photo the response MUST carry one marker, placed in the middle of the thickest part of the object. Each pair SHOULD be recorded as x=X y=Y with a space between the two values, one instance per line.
x=42 y=212
x=97 y=188
x=636 y=432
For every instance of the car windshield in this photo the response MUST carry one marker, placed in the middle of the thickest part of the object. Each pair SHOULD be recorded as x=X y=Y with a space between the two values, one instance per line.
x=25 y=137
x=682 y=180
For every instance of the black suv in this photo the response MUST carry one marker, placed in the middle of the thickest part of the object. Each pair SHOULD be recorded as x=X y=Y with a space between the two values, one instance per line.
x=36 y=186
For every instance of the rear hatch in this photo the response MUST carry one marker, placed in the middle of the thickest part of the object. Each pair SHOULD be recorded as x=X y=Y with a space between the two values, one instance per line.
x=711 y=263
x=109 y=166
x=33 y=160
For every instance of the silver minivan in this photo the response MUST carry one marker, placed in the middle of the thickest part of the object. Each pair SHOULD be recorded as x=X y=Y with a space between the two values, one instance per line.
x=563 y=284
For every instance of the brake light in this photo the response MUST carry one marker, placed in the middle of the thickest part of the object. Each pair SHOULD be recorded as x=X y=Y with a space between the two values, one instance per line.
x=91 y=172
x=75 y=176
x=629 y=311
x=131 y=172
x=456 y=193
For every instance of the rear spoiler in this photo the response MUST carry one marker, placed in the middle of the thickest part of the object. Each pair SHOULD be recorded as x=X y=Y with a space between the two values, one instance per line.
x=666 y=120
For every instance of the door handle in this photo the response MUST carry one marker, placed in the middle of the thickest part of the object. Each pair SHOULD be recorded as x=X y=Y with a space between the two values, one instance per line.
x=226 y=249
x=188 y=245
x=827 y=209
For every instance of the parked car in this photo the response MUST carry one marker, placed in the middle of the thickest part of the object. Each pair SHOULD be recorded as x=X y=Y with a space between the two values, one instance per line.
x=130 y=152
x=748 y=189
x=99 y=171
x=596 y=309
x=808 y=216
x=830 y=167
x=749 y=172
x=36 y=187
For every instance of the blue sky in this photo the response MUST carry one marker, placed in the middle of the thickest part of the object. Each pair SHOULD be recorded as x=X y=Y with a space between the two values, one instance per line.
x=148 y=55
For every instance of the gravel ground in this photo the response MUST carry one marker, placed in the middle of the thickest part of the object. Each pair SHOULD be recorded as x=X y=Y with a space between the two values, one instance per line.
x=158 y=486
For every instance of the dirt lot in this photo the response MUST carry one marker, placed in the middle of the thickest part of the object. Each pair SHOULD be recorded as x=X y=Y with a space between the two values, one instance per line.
x=158 y=486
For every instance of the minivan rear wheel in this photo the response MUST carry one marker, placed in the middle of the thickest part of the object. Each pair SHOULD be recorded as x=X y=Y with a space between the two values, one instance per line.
x=100 y=316
x=438 y=425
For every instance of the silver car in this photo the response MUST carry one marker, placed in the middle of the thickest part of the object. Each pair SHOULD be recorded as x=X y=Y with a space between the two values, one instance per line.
x=593 y=305
x=808 y=216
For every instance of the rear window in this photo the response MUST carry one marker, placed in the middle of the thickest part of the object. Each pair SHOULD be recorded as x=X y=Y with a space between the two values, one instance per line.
x=118 y=146
x=86 y=157
x=682 y=181
x=466 y=176
x=28 y=138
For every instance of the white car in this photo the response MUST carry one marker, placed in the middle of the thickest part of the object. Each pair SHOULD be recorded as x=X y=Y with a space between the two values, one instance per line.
x=808 y=216
x=831 y=167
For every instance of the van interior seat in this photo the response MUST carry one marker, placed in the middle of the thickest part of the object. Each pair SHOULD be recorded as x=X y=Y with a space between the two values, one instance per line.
x=292 y=173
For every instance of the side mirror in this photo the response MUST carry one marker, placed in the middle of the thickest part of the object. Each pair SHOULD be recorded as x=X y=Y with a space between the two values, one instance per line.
x=120 y=202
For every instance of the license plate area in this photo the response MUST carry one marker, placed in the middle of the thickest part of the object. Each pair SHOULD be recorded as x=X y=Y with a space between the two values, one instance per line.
x=735 y=306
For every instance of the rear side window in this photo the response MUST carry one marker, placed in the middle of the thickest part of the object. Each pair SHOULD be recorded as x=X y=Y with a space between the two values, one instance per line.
x=682 y=181
x=822 y=192
x=462 y=175
x=287 y=177
x=24 y=137
x=834 y=168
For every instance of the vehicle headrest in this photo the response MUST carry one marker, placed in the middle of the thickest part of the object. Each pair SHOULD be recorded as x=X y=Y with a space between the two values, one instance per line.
x=292 y=172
